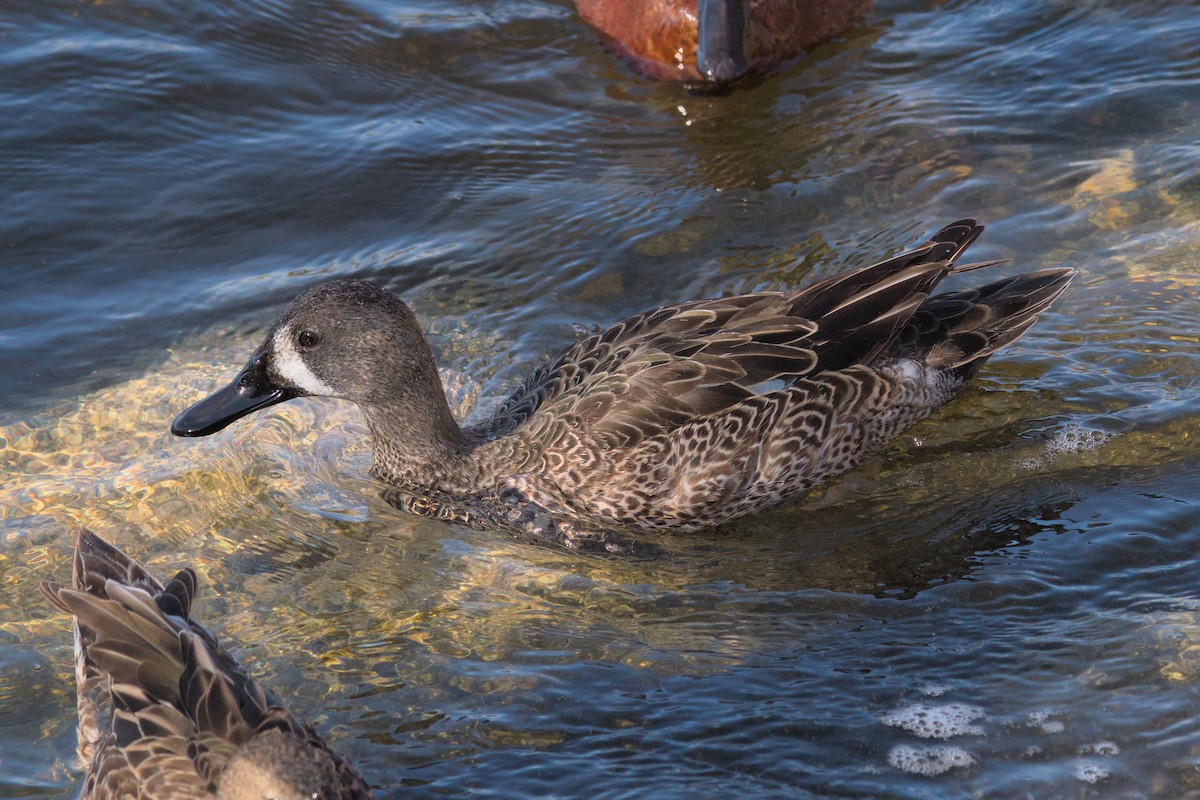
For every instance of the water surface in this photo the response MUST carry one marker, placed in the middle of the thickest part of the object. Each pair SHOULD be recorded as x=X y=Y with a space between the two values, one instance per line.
x=1004 y=605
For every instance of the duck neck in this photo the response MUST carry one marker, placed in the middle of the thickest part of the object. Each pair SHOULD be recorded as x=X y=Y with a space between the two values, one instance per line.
x=417 y=443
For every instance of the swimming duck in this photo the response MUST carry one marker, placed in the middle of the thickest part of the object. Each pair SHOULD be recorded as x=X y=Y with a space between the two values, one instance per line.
x=683 y=417
x=165 y=713
x=716 y=41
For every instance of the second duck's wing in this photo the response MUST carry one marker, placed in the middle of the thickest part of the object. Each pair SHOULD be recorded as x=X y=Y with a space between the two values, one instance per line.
x=654 y=371
x=173 y=714
x=128 y=669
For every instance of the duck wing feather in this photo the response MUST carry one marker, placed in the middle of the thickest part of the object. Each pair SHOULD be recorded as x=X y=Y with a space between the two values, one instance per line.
x=657 y=370
x=168 y=707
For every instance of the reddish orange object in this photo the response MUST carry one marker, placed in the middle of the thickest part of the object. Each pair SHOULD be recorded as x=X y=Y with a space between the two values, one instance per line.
x=660 y=36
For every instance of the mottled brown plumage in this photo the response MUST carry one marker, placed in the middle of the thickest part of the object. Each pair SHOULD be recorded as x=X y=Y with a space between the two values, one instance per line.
x=164 y=712
x=683 y=417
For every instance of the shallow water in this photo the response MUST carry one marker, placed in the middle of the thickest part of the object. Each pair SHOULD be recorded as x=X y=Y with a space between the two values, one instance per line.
x=1004 y=605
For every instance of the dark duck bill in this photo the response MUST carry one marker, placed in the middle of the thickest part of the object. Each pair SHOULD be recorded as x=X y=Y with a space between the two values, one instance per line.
x=251 y=390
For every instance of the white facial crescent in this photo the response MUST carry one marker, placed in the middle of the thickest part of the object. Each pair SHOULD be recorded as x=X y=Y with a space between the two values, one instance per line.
x=290 y=365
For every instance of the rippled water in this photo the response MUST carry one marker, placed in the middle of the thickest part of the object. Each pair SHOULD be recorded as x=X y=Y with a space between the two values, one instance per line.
x=1005 y=605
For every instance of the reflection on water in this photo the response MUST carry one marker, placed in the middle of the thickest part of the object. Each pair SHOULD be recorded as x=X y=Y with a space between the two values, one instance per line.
x=1004 y=604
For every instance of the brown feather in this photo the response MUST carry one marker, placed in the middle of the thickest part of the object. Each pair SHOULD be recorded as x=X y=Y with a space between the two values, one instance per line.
x=163 y=708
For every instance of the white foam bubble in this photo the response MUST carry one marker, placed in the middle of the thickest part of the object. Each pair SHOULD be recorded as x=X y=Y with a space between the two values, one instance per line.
x=1091 y=771
x=934 y=689
x=929 y=760
x=936 y=721
x=1069 y=439
x=1104 y=748
x=1042 y=721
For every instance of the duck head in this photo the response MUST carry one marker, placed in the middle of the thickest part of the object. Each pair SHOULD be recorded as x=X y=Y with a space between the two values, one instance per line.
x=345 y=338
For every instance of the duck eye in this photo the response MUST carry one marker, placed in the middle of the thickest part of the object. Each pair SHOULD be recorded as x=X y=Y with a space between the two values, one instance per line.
x=308 y=339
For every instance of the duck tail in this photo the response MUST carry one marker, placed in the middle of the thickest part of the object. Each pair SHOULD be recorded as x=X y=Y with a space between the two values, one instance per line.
x=121 y=616
x=959 y=331
x=860 y=313
x=97 y=562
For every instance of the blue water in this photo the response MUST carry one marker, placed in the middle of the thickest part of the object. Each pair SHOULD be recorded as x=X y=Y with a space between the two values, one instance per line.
x=1020 y=569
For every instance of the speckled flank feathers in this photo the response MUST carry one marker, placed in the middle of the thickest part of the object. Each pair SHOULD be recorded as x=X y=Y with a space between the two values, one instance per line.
x=164 y=712
x=686 y=416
